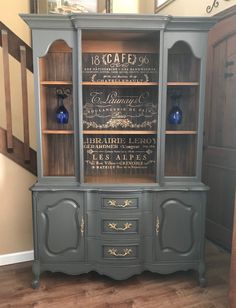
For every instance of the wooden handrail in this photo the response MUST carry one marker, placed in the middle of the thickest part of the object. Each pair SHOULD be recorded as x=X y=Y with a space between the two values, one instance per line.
x=14 y=43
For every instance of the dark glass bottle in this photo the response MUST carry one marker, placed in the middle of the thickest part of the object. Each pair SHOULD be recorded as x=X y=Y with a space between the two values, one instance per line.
x=62 y=114
x=175 y=115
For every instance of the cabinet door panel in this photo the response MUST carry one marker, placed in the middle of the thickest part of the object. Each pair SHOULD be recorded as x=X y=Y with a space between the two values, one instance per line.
x=179 y=225
x=60 y=226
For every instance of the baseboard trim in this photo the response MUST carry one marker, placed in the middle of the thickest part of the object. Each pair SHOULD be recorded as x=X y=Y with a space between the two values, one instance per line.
x=16 y=257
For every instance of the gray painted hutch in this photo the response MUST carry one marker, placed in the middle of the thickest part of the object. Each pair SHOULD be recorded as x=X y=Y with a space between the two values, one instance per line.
x=119 y=186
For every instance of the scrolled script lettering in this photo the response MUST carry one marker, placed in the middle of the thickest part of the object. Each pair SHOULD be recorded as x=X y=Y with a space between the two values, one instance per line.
x=113 y=98
x=113 y=109
x=215 y=4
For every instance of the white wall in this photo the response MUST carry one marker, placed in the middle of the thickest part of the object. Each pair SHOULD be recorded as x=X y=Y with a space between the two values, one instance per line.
x=133 y=6
x=15 y=207
x=194 y=7
x=15 y=204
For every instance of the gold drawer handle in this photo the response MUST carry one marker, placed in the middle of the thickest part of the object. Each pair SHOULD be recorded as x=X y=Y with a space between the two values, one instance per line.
x=115 y=204
x=157 y=225
x=126 y=252
x=82 y=227
x=113 y=226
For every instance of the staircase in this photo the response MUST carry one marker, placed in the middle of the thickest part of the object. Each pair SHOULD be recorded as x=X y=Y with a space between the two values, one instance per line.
x=15 y=149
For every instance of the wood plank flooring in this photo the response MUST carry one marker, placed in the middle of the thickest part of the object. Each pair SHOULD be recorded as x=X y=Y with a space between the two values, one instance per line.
x=148 y=290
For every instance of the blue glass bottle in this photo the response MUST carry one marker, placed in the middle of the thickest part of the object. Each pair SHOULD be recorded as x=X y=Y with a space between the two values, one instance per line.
x=62 y=115
x=175 y=115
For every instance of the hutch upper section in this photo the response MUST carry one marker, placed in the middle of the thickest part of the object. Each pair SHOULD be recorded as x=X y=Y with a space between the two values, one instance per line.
x=119 y=98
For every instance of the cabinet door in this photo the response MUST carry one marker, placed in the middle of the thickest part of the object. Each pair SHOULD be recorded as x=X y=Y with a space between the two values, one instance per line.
x=179 y=225
x=184 y=95
x=60 y=226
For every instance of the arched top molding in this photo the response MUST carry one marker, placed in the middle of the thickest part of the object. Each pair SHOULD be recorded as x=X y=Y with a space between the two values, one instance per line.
x=195 y=41
x=46 y=39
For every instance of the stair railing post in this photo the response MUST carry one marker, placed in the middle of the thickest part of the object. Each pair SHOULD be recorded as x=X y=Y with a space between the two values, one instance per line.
x=6 y=73
x=25 y=103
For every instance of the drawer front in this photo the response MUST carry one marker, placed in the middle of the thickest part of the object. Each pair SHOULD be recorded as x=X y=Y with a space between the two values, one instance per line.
x=120 y=226
x=120 y=252
x=114 y=202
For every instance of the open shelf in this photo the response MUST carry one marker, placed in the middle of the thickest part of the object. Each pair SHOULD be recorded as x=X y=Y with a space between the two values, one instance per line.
x=55 y=83
x=119 y=179
x=119 y=83
x=181 y=132
x=56 y=73
x=180 y=159
x=182 y=83
x=119 y=132
x=137 y=132
x=57 y=132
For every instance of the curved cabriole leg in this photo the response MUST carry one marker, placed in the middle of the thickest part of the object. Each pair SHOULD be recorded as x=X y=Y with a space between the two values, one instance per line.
x=201 y=275
x=36 y=271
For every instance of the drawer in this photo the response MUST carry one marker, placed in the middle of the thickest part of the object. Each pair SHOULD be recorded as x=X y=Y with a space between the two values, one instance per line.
x=120 y=252
x=112 y=200
x=115 y=251
x=120 y=226
x=123 y=223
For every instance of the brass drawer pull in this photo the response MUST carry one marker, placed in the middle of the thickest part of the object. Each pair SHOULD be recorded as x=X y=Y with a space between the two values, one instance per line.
x=113 y=226
x=82 y=227
x=157 y=225
x=126 y=252
x=115 y=204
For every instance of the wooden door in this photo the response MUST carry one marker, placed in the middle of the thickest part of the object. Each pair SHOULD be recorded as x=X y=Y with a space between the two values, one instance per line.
x=232 y=281
x=219 y=167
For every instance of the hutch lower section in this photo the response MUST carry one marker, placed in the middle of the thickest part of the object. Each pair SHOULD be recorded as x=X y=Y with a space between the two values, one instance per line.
x=118 y=233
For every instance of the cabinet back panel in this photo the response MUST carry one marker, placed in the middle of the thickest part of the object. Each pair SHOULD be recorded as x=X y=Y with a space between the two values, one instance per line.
x=188 y=103
x=119 y=46
x=59 y=155
x=182 y=64
x=59 y=66
x=51 y=107
x=180 y=157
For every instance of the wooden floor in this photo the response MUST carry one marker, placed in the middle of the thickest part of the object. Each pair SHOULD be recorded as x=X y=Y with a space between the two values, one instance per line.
x=177 y=290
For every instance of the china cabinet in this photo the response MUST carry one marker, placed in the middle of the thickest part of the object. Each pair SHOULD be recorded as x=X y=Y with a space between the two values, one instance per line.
x=119 y=102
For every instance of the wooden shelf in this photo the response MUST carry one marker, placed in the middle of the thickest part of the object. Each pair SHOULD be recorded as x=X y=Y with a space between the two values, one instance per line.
x=181 y=132
x=55 y=83
x=137 y=132
x=119 y=132
x=57 y=132
x=119 y=179
x=182 y=83
x=121 y=83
